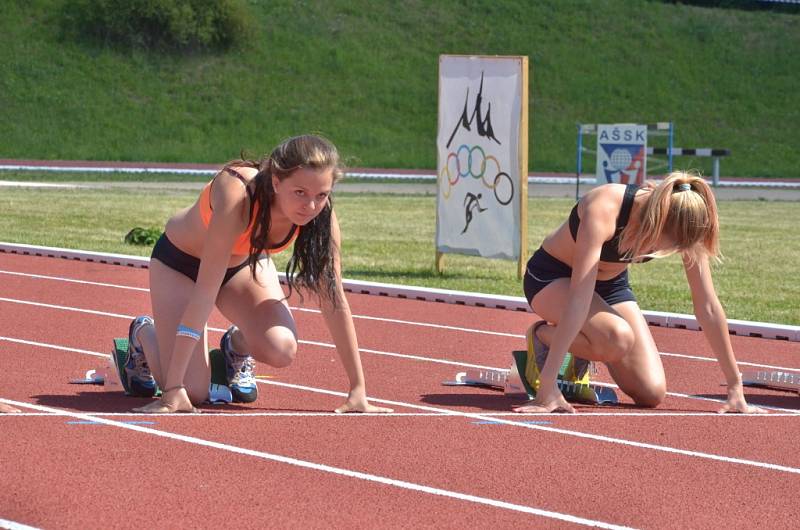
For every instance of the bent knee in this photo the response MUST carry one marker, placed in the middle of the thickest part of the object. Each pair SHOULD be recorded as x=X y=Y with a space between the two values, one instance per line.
x=650 y=396
x=276 y=349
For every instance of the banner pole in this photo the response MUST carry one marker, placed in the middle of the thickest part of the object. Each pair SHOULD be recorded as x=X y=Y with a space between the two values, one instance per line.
x=523 y=171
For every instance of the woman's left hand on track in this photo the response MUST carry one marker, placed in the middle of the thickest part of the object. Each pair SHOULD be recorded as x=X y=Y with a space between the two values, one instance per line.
x=172 y=401
x=546 y=402
x=357 y=402
x=737 y=403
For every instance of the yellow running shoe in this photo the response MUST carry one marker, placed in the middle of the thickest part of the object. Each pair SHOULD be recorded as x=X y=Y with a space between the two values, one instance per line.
x=536 y=355
x=575 y=381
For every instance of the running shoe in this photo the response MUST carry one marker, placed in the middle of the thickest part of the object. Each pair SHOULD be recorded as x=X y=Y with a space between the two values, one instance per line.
x=536 y=355
x=573 y=376
x=218 y=394
x=137 y=378
x=578 y=370
x=239 y=369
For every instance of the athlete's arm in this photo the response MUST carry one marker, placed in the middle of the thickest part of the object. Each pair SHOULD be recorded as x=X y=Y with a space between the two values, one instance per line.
x=711 y=317
x=229 y=204
x=339 y=321
x=598 y=222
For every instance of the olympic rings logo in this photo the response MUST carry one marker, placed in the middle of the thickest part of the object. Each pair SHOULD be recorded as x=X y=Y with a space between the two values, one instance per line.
x=463 y=162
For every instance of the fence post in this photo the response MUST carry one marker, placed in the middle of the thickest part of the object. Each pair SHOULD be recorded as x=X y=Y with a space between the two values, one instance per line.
x=669 y=147
x=715 y=171
x=579 y=163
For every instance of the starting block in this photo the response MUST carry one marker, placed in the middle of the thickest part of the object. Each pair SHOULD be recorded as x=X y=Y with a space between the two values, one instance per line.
x=91 y=377
x=516 y=386
x=778 y=380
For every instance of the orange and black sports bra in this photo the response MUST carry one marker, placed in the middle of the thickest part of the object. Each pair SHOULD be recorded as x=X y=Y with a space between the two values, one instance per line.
x=242 y=244
x=609 y=252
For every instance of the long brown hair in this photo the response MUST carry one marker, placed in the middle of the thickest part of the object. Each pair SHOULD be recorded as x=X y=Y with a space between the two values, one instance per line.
x=311 y=264
x=682 y=206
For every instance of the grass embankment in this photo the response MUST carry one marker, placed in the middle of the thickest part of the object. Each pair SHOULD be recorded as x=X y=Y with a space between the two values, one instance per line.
x=365 y=74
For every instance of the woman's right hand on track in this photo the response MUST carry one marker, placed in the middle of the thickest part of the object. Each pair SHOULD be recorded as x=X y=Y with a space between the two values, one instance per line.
x=172 y=401
x=737 y=403
x=547 y=401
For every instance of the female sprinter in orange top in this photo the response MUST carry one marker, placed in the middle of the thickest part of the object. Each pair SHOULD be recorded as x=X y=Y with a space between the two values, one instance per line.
x=577 y=281
x=216 y=252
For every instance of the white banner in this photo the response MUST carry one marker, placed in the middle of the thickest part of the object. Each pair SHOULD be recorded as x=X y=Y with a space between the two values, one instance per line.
x=621 y=153
x=480 y=110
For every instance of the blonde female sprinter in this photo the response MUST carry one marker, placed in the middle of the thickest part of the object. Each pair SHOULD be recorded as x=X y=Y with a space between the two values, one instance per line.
x=216 y=252
x=577 y=281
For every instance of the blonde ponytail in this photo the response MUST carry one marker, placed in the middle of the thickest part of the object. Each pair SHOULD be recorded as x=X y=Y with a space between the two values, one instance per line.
x=681 y=207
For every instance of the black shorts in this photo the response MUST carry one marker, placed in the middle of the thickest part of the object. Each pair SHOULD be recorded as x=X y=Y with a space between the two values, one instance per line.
x=186 y=264
x=543 y=268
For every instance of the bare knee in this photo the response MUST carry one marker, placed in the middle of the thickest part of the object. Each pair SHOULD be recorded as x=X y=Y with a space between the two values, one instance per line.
x=651 y=395
x=276 y=348
x=620 y=340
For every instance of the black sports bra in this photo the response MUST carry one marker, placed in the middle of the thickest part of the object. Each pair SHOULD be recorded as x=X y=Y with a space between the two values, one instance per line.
x=610 y=249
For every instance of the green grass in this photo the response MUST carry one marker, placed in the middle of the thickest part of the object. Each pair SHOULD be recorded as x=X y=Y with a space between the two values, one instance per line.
x=756 y=281
x=364 y=72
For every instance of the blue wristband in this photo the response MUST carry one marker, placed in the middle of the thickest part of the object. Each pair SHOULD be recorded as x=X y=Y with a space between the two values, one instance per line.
x=185 y=331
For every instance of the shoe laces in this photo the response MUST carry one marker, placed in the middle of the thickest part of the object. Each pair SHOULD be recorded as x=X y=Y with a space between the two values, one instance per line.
x=140 y=364
x=243 y=367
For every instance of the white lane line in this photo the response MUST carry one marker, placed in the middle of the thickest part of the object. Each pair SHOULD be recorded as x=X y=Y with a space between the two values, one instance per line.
x=402 y=355
x=54 y=346
x=412 y=486
x=72 y=280
x=207 y=412
x=312 y=343
x=13 y=525
x=295 y=308
x=378 y=352
x=396 y=321
x=713 y=360
x=578 y=434
x=379 y=319
x=424 y=324
x=325 y=345
x=484 y=417
x=66 y=308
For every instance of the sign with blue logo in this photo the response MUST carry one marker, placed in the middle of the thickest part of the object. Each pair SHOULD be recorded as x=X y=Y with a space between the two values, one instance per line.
x=621 y=153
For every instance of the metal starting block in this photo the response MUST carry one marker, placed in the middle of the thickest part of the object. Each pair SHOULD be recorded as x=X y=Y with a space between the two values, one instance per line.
x=495 y=379
x=515 y=386
x=778 y=380
x=91 y=377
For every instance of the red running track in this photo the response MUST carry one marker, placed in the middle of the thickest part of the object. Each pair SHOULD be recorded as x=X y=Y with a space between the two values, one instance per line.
x=449 y=457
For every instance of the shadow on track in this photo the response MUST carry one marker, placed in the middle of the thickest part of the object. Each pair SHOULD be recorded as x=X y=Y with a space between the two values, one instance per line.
x=99 y=402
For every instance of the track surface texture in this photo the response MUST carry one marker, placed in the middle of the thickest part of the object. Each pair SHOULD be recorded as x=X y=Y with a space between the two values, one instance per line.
x=449 y=457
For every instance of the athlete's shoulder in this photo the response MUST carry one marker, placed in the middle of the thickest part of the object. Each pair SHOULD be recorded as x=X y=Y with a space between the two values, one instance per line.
x=230 y=186
x=605 y=196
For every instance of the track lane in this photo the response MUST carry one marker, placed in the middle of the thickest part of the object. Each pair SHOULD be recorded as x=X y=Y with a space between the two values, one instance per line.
x=400 y=379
